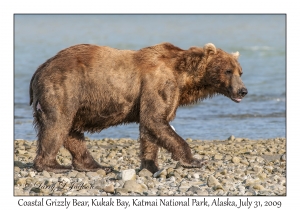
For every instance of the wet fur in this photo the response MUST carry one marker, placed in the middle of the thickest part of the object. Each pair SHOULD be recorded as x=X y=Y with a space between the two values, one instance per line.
x=87 y=88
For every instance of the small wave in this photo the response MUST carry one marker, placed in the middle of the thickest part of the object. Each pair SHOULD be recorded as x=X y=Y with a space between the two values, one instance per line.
x=259 y=48
x=241 y=116
x=234 y=116
x=267 y=97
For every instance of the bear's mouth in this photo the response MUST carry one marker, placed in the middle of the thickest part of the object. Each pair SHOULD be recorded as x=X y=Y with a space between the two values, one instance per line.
x=237 y=100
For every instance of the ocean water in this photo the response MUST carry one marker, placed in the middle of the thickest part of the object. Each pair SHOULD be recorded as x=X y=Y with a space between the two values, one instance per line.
x=260 y=39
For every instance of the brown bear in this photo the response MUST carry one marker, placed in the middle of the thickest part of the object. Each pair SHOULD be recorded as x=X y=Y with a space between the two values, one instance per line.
x=87 y=88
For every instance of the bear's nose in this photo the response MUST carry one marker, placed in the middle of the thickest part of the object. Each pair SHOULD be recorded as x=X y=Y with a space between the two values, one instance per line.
x=243 y=92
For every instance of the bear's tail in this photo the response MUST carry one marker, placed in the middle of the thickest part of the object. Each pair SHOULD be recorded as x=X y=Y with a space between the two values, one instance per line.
x=40 y=68
x=31 y=91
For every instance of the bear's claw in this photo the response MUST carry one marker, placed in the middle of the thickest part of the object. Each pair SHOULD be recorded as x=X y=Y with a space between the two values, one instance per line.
x=195 y=163
x=55 y=169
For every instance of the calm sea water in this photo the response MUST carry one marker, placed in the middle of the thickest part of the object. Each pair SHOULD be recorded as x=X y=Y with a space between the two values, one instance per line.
x=260 y=39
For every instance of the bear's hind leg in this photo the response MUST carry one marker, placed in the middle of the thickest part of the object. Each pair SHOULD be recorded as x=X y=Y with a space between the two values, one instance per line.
x=82 y=159
x=50 y=139
x=148 y=152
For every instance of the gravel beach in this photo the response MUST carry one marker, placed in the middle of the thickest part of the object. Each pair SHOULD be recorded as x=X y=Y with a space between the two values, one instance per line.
x=236 y=166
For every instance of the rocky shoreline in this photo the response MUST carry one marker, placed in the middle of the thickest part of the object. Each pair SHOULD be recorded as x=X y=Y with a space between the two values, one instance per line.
x=236 y=166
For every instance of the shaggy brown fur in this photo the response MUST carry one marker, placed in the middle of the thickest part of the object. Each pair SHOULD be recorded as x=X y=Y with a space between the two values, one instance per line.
x=90 y=88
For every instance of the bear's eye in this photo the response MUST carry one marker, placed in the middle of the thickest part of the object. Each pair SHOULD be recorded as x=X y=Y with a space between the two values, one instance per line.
x=229 y=72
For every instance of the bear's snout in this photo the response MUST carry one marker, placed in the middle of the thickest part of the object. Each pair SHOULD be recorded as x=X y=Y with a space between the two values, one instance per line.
x=243 y=91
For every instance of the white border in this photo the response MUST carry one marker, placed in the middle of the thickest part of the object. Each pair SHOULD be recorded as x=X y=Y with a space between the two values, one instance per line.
x=8 y=8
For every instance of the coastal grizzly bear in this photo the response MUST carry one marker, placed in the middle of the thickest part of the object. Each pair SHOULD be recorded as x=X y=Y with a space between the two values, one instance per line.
x=87 y=88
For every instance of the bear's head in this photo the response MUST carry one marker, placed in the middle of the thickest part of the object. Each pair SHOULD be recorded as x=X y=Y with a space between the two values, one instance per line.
x=223 y=73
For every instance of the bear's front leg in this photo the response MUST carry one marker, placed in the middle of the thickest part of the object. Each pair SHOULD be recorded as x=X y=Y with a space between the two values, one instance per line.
x=162 y=135
x=158 y=104
x=148 y=151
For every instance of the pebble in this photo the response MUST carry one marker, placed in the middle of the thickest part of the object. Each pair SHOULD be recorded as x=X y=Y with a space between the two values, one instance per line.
x=110 y=188
x=258 y=187
x=126 y=175
x=133 y=186
x=121 y=191
x=218 y=157
x=235 y=160
x=31 y=174
x=196 y=175
x=80 y=175
x=72 y=174
x=101 y=172
x=283 y=157
x=145 y=172
x=236 y=167
x=161 y=173
x=46 y=174
x=92 y=175
x=212 y=181
x=19 y=164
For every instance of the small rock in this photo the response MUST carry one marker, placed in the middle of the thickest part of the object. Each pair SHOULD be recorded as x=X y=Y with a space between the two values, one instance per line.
x=171 y=193
x=218 y=157
x=245 y=162
x=202 y=192
x=113 y=162
x=109 y=188
x=241 y=188
x=239 y=139
x=189 y=193
x=24 y=173
x=20 y=151
x=112 y=154
x=218 y=187
x=21 y=181
x=212 y=181
x=228 y=157
x=184 y=185
x=258 y=187
x=16 y=169
x=64 y=152
x=92 y=175
x=262 y=176
x=101 y=172
x=235 y=160
x=80 y=175
x=260 y=159
x=66 y=161
x=127 y=175
x=223 y=172
x=257 y=169
x=283 y=157
x=161 y=172
x=31 y=174
x=19 y=164
x=189 y=140
x=196 y=175
x=64 y=179
x=46 y=174
x=145 y=172
x=269 y=169
x=72 y=174
x=35 y=190
x=132 y=186
x=193 y=189
x=231 y=138
x=122 y=191
x=250 y=182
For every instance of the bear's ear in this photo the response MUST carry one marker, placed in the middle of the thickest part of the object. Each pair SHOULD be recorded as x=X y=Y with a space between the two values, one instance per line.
x=236 y=55
x=210 y=49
